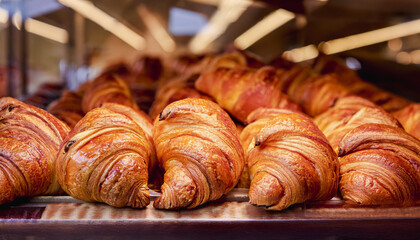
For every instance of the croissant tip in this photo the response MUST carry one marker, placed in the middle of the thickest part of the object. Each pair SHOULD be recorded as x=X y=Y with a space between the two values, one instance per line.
x=334 y=102
x=340 y=152
x=257 y=141
x=68 y=145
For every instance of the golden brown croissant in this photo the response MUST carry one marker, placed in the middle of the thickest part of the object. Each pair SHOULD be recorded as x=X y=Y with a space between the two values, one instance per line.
x=348 y=113
x=377 y=157
x=30 y=138
x=173 y=90
x=350 y=80
x=68 y=108
x=409 y=117
x=242 y=90
x=105 y=158
x=316 y=94
x=379 y=164
x=256 y=121
x=107 y=88
x=290 y=161
x=199 y=149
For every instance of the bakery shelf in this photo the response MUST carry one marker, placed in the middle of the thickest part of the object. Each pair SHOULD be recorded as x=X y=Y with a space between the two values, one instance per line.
x=229 y=218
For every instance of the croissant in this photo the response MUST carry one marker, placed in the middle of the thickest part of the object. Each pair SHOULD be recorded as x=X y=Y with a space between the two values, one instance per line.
x=68 y=108
x=409 y=117
x=241 y=90
x=106 y=156
x=350 y=80
x=107 y=88
x=173 y=90
x=30 y=138
x=316 y=94
x=290 y=161
x=256 y=121
x=199 y=149
x=377 y=157
x=350 y=112
x=379 y=165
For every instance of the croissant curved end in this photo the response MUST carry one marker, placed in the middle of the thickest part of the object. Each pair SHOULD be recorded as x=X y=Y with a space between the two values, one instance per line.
x=140 y=198
x=265 y=190
x=178 y=190
x=164 y=115
x=7 y=193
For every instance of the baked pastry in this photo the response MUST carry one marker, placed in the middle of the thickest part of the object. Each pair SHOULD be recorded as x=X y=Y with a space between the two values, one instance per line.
x=409 y=117
x=255 y=122
x=68 y=108
x=348 y=113
x=290 y=161
x=315 y=94
x=175 y=89
x=379 y=164
x=199 y=150
x=107 y=88
x=355 y=85
x=379 y=161
x=106 y=157
x=30 y=138
x=241 y=90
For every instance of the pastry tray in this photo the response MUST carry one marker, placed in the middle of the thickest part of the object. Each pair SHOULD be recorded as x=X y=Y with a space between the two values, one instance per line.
x=231 y=217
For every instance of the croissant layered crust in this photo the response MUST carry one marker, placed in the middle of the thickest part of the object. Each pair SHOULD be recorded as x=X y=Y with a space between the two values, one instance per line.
x=290 y=161
x=105 y=158
x=198 y=147
x=380 y=164
x=255 y=122
x=68 y=108
x=107 y=88
x=409 y=117
x=349 y=113
x=241 y=90
x=30 y=138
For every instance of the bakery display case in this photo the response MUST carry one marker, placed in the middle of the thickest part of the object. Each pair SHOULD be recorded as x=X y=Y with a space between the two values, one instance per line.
x=275 y=119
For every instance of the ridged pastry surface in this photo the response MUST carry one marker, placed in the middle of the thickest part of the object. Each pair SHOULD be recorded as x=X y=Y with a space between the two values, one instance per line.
x=290 y=161
x=30 y=138
x=198 y=147
x=105 y=158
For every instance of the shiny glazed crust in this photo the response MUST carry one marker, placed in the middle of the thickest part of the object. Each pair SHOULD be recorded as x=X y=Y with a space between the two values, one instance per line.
x=67 y=108
x=30 y=138
x=107 y=88
x=241 y=90
x=105 y=158
x=380 y=164
x=290 y=161
x=409 y=117
x=198 y=147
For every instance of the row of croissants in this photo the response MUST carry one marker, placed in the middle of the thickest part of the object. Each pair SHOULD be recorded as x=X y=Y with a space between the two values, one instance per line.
x=289 y=132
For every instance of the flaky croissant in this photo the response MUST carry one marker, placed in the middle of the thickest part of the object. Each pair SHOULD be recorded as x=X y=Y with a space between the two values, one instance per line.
x=256 y=121
x=105 y=158
x=290 y=161
x=316 y=93
x=379 y=164
x=175 y=89
x=199 y=149
x=348 y=113
x=67 y=108
x=30 y=138
x=409 y=117
x=377 y=157
x=107 y=88
x=355 y=85
x=241 y=90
